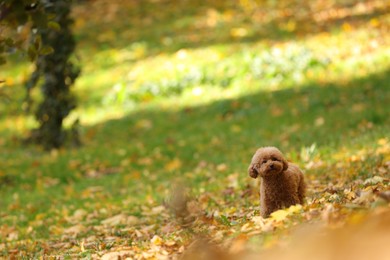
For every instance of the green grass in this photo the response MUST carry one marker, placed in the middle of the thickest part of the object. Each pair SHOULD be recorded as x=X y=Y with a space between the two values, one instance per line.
x=194 y=111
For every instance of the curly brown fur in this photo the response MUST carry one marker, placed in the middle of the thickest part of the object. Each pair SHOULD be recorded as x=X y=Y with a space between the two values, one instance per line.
x=282 y=183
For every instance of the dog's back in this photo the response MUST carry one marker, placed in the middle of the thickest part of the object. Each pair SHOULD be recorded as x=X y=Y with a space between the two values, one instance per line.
x=295 y=173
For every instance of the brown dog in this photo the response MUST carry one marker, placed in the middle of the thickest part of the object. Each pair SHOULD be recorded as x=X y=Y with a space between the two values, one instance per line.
x=282 y=183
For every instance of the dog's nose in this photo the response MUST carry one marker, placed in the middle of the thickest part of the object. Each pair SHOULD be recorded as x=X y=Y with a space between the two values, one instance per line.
x=271 y=166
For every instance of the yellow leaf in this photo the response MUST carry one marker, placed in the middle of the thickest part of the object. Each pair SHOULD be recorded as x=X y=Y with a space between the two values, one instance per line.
x=347 y=27
x=356 y=218
x=56 y=230
x=82 y=248
x=144 y=124
x=235 y=128
x=349 y=194
x=291 y=25
x=374 y=22
x=383 y=141
x=221 y=167
x=54 y=25
x=279 y=215
x=238 y=32
x=40 y=216
x=173 y=165
x=156 y=240
x=294 y=209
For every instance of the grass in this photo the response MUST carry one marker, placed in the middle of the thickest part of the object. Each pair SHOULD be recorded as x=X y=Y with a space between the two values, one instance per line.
x=181 y=96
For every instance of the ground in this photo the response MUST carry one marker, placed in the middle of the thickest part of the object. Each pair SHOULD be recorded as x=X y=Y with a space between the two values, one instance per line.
x=174 y=99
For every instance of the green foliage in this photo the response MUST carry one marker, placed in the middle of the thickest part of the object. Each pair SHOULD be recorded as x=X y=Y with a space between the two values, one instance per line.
x=16 y=14
x=225 y=221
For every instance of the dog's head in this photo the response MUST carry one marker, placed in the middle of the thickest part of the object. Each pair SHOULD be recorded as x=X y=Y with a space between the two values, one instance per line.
x=267 y=161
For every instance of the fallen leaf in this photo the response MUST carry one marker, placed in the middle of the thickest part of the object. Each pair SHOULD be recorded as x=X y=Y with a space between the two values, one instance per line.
x=117 y=255
x=319 y=121
x=221 y=167
x=75 y=230
x=294 y=209
x=364 y=197
x=156 y=240
x=13 y=236
x=144 y=124
x=78 y=215
x=170 y=243
x=115 y=220
x=173 y=165
x=279 y=215
x=374 y=180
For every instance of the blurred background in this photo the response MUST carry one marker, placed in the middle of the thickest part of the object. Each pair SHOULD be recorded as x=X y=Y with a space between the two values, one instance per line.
x=105 y=104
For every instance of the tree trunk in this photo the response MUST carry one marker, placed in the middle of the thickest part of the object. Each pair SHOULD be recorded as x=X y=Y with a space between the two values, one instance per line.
x=58 y=75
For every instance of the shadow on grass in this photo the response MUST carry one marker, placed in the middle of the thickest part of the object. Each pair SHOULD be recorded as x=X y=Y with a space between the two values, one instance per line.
x=335 y=115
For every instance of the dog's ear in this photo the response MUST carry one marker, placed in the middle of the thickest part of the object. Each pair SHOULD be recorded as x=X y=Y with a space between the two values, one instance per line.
x=285 y=164
x=252 y=171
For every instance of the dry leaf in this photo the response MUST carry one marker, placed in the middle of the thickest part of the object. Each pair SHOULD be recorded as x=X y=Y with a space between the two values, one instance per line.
x=374 y=180
x=75 y=230
x=173 y=165
x=115 y=220
x=365 y=197
x=156 y=240
x=279 y=215
x=117 y=255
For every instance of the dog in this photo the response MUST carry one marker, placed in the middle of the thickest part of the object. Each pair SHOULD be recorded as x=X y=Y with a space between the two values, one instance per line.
x=282 y=183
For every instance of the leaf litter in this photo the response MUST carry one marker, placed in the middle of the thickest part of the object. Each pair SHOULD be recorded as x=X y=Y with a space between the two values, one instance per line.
x=223 y=223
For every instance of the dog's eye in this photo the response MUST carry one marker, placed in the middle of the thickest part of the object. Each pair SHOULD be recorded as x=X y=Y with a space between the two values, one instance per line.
x=274 y=159
x=264 y=161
